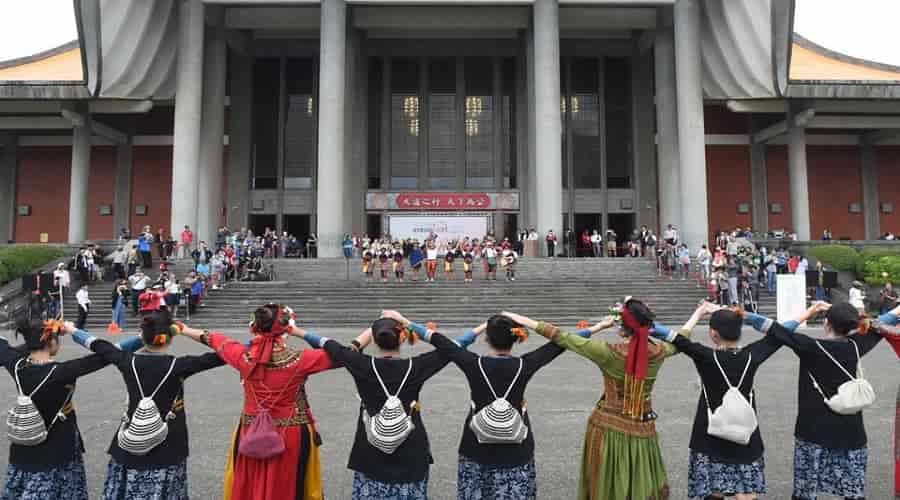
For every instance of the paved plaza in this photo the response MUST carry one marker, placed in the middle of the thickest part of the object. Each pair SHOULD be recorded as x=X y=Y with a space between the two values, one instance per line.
x=560 y=398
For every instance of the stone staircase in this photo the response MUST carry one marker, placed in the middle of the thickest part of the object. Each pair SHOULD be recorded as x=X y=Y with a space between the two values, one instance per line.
x=562 y=291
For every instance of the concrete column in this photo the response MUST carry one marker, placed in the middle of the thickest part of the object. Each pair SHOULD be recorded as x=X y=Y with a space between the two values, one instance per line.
x=332 y=85
x=529 y=186
x=645 y=164
x=188 y=108
x=209 y=188
x=358 y=168
x=122 y=195
x=548 y=168
x=8 y=167
x=78 y=182
x=667 y=155
x=871 y=201
x=799 y=185
x=691 y=133
x=240 y=140
x=759 y=188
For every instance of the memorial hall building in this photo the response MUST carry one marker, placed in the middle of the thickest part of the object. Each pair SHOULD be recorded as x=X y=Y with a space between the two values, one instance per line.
x=351 y=116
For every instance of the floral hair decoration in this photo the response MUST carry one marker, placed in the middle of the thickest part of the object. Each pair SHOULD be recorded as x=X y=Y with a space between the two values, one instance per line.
x=51 y=327
x=520 y=333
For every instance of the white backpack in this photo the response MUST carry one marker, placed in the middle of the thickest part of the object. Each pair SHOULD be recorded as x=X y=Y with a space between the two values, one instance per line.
x=734 y=420
x=852 y=396
x=499 y=422
x=389 y=428
x=145 y=429
x=24 y=424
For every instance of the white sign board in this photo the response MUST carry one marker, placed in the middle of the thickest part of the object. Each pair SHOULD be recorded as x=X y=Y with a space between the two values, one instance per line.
x=446 y=228
x=791 y=296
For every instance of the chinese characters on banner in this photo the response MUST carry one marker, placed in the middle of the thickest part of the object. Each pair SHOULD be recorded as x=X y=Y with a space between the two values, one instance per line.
x=443 y=201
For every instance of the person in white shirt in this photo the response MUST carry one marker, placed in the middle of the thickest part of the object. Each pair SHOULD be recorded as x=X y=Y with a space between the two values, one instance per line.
x=597 y=243
x=705 y=259
x=138 y=283
x=84 y=306
x=61 y=276
x=802 y=266
x=533 y=235
x=509 y=262
x=857 y=297
x=670 y=235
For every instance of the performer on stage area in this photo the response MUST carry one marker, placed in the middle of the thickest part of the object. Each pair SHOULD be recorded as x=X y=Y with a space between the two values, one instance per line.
x=509 y=260
x=398 y=261
x=490 y=261
x=384 y=256
x=431 y=255
x=368 y=264
x=468 y=258
x=415 y=259
x=449 y=257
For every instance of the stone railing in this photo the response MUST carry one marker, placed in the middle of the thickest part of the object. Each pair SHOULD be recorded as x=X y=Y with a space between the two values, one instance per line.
x=804 y=247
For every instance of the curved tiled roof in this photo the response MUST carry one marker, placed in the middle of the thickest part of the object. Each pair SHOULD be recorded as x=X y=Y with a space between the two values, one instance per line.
x=59 y=64
x=813 y=62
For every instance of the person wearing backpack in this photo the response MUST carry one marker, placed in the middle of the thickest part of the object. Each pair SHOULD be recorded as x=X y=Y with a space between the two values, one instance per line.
x=621 y=454
x=148 y=454
x=45 y=454
x=274 y=454
x=498 y=465
x=391 y=454
x=830 y=444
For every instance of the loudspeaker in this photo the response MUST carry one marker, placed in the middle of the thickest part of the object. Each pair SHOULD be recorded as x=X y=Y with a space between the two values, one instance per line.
x=29 y=282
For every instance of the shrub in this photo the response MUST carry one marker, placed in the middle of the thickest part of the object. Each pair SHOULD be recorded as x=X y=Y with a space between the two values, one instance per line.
x=882 y=270
x=18 y=260
x=872 y=254
x=840 y=257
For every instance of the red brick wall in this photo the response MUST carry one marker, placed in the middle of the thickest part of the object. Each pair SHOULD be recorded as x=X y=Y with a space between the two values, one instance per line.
x=888 y=160
x=834 y=183
x=151 y=185
x=101 y=192
x=728 y=183
x=778 y=188
x=42 y=181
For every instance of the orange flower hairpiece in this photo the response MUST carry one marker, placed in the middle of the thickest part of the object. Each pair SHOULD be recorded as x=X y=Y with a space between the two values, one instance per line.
x=520 y=333
x=864 y=325
x=160 y=339
x=51 y=327
x=583 y=324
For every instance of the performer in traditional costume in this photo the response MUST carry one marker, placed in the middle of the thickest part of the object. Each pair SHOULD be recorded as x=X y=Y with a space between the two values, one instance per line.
x=368 y=264
x=431 y=256
x=887 y=325
x=468 y=258
x=274 y=377
x=509 y=260
x=384 y=257
x=415 y=259
x=449 y=257
x=160 y=472
x=397 y=264
x=52 y=468
x=621 y=457
x=490 y=261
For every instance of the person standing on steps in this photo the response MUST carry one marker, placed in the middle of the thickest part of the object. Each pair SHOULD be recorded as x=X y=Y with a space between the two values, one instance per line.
x=551 y=244
x=145 y=245
x=82 y=297
x=187 y=241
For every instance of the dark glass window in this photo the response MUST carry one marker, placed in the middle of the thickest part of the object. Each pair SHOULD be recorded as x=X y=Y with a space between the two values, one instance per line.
x=405 y=124
x=376 y=86
x=442 y=123
x=510 y=145
x=584 y=113
x=617 y=98
x=266 y=89
x=300 y=124
x=563 y=112
x=479 y=122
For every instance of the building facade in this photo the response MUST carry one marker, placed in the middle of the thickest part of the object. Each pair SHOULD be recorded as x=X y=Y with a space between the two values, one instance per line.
x=342 y=117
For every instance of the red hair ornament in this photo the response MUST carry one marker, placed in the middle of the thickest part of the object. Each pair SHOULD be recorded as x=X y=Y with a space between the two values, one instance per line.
x=636 y=365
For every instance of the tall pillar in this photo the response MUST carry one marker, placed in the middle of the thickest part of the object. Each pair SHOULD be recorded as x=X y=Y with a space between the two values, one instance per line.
x=8 y=166
x=691 y=132
x=240 y=140
x=530 y=189
x=645 y=164
x=188 y=108
x=209 y=189
x=122 y=195
x=799 y=185
x=78 y=181
x=330 y=220
x=667 y=155
x=759 y=186
x=871 y=201
x=548 y=126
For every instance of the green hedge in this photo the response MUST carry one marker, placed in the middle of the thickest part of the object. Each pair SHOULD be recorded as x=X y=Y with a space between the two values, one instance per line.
x=882 y=270
x=18 y=260
x=840 y=257
x=874 y=254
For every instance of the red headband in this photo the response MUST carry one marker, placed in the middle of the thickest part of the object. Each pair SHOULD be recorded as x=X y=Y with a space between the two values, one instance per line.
x=635 y=364
x=263 y=343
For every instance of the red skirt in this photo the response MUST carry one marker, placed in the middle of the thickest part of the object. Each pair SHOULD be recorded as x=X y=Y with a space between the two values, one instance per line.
x=296 y=474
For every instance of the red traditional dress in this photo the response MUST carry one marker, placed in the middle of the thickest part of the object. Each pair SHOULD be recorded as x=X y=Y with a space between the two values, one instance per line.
x=892 y=336
x=278 y=385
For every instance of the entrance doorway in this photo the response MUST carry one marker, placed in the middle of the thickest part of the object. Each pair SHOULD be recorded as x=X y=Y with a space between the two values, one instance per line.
x=511 y=227
x=259 y=223
x=296 y=225
x=589 y=222
x=623 y=225
x=373 y=225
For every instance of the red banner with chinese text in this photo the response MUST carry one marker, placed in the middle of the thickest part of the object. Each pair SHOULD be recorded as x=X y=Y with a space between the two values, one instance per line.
x=443 y=201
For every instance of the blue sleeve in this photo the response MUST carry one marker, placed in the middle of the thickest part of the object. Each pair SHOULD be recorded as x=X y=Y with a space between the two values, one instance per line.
x=466 y=339
x=315 y=341
x=83 y=338
x=421 y=331
x=889 y=319
x=762 y=323
x=131 y=345
x=662 y=332
x=584 y=333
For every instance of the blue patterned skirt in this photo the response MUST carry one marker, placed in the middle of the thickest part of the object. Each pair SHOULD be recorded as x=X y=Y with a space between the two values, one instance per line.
x=67 y=482
x=476 y=481
x=834 y=472
x=706 y=475
x=168 y=483
x=366 y=488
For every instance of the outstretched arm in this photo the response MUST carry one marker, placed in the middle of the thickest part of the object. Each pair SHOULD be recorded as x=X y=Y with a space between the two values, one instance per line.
x=468 y=338
x=596 y=351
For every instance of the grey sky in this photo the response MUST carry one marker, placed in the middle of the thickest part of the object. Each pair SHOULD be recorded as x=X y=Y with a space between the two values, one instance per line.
x=861 y=28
